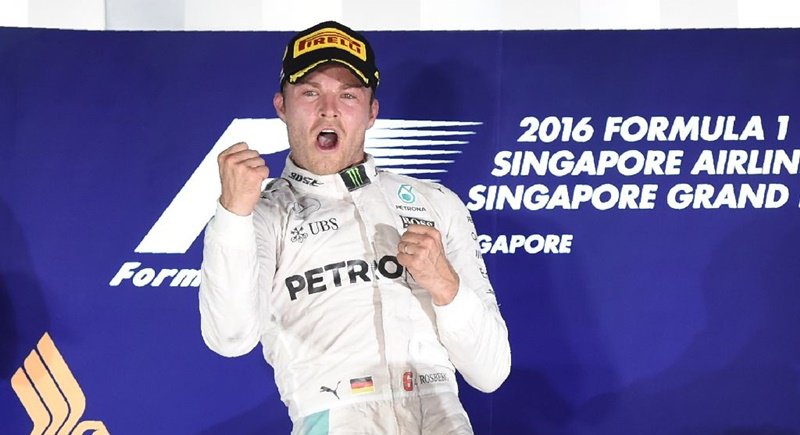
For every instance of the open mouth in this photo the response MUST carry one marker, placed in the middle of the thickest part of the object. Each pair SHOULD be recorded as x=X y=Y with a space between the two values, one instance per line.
x=327 y=140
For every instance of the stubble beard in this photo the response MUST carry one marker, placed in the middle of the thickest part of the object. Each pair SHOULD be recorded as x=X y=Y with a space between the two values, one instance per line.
x=311 y=160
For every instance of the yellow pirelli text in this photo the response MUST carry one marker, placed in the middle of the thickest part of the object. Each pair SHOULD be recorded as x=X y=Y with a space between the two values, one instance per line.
x=329 y=37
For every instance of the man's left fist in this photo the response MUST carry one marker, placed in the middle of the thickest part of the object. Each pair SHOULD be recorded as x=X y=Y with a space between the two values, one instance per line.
x=421 y=252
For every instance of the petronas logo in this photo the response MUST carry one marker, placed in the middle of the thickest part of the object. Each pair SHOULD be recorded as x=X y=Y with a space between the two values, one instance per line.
x=405 y=194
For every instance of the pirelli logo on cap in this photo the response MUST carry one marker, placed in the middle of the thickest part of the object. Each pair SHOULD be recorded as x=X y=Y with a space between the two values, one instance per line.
x=330 y=37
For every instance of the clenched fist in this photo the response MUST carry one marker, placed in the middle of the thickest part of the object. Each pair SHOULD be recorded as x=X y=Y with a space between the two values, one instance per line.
x=241 y=171
x=421 y=252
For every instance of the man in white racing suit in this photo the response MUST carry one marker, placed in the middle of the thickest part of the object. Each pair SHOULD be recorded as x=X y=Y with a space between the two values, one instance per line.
x=365 y=288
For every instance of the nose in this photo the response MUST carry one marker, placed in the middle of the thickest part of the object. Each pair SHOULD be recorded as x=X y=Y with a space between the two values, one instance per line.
x=328 y=106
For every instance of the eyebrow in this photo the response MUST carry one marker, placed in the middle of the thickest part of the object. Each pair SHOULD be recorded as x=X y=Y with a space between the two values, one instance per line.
x=344 y=86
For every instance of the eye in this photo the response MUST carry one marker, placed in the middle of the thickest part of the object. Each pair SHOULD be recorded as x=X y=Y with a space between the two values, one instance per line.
x=309 y=93
x=348 y=96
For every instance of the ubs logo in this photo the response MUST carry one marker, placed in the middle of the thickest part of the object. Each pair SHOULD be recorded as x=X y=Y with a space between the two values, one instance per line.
x=299 y=235
x=301 y=232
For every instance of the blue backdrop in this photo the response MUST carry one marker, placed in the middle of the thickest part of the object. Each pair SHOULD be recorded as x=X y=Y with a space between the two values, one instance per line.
x=657 y=295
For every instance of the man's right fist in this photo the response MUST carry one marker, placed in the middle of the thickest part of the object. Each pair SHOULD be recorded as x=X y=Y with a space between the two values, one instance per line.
x=241 y=171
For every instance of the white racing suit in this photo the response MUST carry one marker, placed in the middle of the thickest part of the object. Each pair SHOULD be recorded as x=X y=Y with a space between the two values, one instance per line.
x=356 y=345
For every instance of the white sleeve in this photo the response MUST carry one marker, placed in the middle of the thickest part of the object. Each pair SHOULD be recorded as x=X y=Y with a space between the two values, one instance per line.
x=470 y=326
x=232 y=273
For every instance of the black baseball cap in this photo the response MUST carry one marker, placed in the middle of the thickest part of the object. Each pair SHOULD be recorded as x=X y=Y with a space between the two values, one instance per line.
x=329 y=42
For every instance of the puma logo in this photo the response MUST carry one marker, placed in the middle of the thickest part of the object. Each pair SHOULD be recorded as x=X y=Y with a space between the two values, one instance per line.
x=324 y=389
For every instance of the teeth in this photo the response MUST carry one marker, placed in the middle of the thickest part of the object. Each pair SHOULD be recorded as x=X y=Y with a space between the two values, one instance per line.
x=328 y=130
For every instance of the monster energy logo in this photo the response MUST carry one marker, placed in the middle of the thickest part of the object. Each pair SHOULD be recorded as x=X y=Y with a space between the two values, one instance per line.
x=355 y=177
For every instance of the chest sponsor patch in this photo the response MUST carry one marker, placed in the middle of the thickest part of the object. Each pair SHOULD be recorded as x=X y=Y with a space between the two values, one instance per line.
x=409 y=220
x=342 y=273
x=301 y=232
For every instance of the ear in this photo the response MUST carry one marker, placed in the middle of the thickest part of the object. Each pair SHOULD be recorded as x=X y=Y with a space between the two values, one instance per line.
x=373 y=112
x=280 y=105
